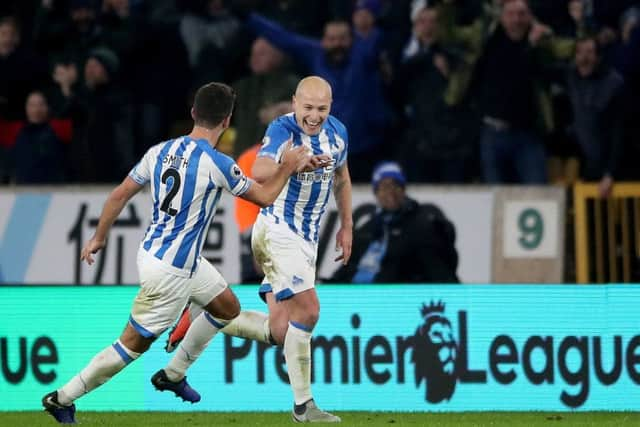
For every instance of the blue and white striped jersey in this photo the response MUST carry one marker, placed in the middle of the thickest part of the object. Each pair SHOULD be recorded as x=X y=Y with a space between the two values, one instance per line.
x=303 y=200
x=186 y=177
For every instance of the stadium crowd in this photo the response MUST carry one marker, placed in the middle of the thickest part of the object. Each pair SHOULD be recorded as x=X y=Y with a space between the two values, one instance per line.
x=456 y=91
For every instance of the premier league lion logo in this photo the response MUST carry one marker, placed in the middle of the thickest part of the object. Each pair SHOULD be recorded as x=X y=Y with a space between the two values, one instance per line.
x=434 y=354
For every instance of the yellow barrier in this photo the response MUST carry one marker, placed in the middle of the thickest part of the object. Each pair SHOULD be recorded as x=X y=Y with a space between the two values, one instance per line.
x=605 y=231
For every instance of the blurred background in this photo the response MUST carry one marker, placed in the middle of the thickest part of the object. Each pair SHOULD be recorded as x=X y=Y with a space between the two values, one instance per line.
x=469 y=97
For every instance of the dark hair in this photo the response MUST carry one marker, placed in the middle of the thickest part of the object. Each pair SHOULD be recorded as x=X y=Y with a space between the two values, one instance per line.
x=213 y=103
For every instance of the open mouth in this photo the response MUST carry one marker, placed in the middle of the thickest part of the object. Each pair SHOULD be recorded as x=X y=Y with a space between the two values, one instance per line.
x=312 y=125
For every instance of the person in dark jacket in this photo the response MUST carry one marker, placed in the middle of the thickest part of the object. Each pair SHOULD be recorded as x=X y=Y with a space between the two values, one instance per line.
x=439 y=142
x=505 y=59
x=38 y=154
x=596 y=93
x=404 y=242
x=21 y=70
x=103 y=144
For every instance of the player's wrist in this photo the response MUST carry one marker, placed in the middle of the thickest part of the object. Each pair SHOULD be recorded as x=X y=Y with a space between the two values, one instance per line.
x=99 y=239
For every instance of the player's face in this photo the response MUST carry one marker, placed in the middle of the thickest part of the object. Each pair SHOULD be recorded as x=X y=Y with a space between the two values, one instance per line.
x=311 y=109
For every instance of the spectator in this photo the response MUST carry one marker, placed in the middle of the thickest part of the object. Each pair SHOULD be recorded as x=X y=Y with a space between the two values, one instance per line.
x=364 y=17
x=20 y=71
x=595 y=92
x=624 y=51
x=263 y=96
x=629 y=67
x=102 y=148
x=158 y=38
x=209 y=33
x=118 y=23
x=66 y=84
x=68 y=33
x=581 y=19
x=349 y=63
x=439 y=140
x=503 y=68
x=423 y=34
x=305 y=17
x=122 y=25
x=403 y=242
x=38 y=154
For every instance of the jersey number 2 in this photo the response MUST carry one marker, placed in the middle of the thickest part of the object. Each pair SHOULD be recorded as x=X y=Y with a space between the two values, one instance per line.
x=173 y=190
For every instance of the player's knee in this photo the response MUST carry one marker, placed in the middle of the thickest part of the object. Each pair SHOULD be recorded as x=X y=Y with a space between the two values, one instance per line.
x=225 y=307
x=312 y=313
x=308 y=319
x=313 y=318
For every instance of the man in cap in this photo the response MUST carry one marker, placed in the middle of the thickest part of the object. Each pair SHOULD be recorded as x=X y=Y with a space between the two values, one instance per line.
x=403 y=241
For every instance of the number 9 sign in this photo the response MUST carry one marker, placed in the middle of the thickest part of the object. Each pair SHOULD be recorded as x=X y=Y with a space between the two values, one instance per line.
x=530 y=229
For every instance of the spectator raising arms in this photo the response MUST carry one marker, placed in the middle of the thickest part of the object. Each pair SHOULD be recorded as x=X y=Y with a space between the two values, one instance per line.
x=265 y=94
x=503 y=70
x=595 y=92
x=349 y=63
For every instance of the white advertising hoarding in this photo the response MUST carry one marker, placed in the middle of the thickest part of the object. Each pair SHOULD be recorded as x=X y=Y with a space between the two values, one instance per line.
x=470 y=211
x=42 y=233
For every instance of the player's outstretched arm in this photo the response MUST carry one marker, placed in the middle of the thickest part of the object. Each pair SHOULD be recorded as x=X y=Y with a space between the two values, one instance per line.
x=342 y=194
x=110 y=211
x=265 y=190
x=265 y=167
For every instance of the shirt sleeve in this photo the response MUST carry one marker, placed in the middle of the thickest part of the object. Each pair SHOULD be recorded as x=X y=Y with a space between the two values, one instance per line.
x=342 y=139
x=274 y=141
x=141 y=172
x=231 y=177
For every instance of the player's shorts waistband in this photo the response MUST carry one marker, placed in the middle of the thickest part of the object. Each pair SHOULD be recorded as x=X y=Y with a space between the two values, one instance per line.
x=147 y=256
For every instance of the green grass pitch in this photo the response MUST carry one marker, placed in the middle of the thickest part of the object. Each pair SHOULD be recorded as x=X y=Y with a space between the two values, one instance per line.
x=368 y=419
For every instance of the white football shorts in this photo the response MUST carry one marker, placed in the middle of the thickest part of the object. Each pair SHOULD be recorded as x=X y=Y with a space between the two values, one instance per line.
x=163 y=295
x=286 y=258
